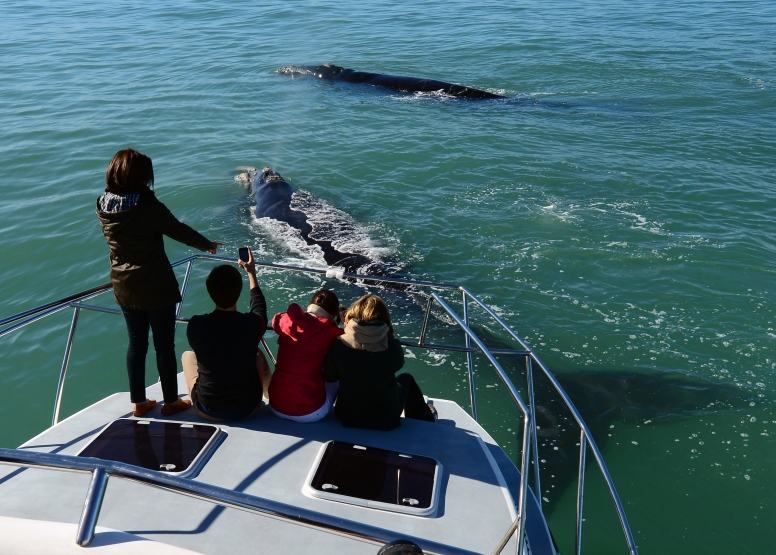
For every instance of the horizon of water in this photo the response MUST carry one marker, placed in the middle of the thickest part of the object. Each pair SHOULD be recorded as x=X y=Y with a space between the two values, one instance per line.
x=616 y=211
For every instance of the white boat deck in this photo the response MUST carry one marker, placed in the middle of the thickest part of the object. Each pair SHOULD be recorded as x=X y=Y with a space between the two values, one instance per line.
x=269 y=457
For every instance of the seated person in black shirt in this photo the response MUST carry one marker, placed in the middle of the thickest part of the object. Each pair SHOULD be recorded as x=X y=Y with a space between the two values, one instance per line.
x=226 y=374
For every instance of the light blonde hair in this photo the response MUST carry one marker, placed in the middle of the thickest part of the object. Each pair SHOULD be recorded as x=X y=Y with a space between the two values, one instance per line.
x=370 y=308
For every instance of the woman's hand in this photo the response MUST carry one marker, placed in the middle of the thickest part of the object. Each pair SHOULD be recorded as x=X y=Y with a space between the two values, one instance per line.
x=214 y=247
x=249 y=266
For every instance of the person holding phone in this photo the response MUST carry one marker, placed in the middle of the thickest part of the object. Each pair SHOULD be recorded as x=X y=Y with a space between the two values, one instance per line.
x=226 y=374
x=134 y=223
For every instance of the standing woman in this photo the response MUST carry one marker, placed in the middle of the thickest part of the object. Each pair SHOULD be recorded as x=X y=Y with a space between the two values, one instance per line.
x=134 y=222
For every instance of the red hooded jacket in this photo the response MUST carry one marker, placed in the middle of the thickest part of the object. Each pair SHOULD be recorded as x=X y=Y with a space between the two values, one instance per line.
x=297 y=386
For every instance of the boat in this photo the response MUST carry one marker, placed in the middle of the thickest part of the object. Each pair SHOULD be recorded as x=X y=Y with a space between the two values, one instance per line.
x=104 y=480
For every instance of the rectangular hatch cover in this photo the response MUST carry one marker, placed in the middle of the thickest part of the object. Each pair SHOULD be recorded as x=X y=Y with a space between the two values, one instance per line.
x=376 y=478
x=177 y=448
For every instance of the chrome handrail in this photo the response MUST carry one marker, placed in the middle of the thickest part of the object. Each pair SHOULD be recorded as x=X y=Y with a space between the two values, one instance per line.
x=585 y=434
x=519 y=523
x=101 y=470
x=529 y=424
x=94 y=291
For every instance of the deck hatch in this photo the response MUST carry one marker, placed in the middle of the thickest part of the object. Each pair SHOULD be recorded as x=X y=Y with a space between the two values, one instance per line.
x=374 y=477
x=178 y=448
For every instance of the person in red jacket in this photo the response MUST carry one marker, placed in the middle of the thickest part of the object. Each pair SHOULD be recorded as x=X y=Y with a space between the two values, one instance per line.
x=297 y=390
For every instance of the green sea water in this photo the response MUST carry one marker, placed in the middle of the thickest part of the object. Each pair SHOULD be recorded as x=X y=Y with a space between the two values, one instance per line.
x=617 y=211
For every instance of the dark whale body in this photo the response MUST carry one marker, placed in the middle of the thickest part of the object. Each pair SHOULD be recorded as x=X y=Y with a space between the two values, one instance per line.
x=274 y=196
x=610 y=401
x=395 y=82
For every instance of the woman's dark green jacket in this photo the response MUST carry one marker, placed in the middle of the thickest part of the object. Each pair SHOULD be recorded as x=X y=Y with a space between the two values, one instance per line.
x=140 y=272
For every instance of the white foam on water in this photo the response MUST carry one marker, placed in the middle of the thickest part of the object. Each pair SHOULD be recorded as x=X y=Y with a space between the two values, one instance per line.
x=331 y=224
x=328 y=224
x=439 y=95
x=291 y=238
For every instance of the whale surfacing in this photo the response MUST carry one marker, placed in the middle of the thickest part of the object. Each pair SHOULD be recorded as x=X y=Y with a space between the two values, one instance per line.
x=318 y=224
x=395 y=82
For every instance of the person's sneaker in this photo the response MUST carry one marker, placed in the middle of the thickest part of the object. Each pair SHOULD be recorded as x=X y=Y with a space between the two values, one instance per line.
x=433 y=410
x=178 y=406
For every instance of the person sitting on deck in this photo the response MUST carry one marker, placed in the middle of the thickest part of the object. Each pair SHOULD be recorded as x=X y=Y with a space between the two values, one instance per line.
x=298 y=391
x=365 y=361
x=226 y=373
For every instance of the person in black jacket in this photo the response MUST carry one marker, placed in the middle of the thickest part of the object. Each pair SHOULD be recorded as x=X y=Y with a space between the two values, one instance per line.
x=226 y=374
x=134 y=222
x=365 y=360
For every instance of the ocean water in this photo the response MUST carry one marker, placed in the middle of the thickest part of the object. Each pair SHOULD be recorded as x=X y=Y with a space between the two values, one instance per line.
x=617 y=210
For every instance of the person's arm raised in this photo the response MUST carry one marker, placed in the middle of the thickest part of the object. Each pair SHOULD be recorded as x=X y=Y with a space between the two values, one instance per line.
x=258 y=303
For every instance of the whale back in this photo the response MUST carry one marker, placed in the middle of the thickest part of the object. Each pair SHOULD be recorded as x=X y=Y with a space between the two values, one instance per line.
x=273 y=196
x=398 y=83
x=406 y=84
x=325 y=71
x=341 y=240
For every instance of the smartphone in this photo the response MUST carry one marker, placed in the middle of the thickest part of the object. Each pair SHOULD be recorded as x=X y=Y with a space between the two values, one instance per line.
x=242 y=252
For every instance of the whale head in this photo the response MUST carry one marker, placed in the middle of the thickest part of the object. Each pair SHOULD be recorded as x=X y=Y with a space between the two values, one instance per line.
x=266 y=176
x=257 y=180
x=326 y=71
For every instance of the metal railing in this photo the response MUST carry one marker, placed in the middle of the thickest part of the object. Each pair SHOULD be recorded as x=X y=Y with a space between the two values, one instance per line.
x=101 y=470
x=472 y=345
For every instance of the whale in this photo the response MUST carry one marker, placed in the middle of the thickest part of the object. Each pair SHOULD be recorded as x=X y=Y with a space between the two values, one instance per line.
x=316 y=222
x=398 y=83
x=611 y=400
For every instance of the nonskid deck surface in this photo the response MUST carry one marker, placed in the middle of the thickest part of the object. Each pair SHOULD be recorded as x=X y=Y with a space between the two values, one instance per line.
x=271 y=458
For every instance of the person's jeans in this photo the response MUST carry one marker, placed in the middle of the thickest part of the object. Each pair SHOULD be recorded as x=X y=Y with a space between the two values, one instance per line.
x=161 y=321
x=414 y=405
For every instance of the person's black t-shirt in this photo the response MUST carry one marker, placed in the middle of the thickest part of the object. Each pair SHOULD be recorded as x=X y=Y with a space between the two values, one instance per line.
x=226 y=344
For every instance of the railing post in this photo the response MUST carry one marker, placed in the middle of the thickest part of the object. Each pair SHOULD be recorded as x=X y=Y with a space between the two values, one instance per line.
x=521 y=507
x=183 y=292
x=580 y=491
x=519 y=524
x=65 y=362
x=183 y=296
x=534 y=440
x=425 y=320
x=92 y=506
x=469 y=358
x=266 y=348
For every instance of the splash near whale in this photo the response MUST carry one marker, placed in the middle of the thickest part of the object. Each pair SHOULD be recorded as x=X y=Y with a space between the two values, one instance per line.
x=297 y=215
x=395 y=82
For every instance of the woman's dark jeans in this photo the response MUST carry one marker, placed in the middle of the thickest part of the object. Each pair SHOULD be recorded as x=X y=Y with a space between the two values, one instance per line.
x=414 y=405
x=162 y=324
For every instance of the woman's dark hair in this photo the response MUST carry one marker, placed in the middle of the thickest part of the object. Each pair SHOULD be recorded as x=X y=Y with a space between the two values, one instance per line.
x=327 y=300
x=129 y=171
x=224 y=285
